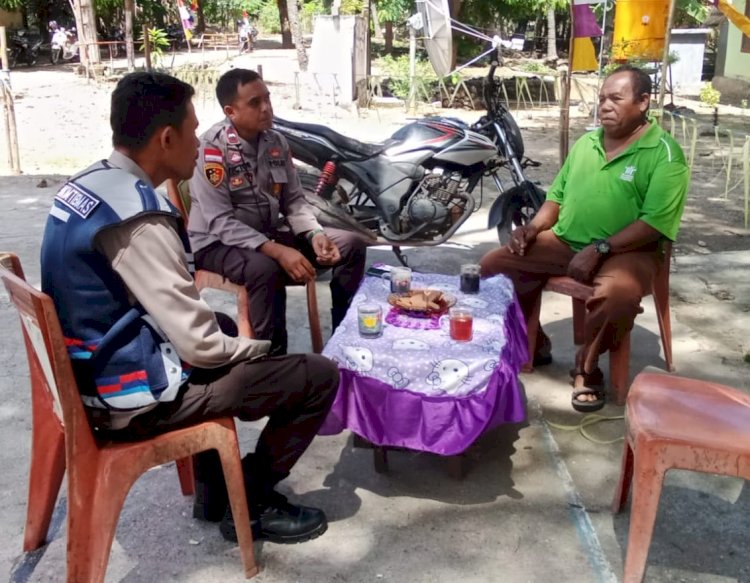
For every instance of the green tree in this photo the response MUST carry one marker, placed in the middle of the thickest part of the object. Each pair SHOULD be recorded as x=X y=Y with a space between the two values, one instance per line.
x=390 y=12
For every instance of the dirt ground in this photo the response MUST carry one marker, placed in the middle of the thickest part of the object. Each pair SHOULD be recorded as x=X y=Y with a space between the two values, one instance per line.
x=63 y=126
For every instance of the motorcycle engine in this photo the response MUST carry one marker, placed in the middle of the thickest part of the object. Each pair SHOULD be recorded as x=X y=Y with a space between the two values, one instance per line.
x=431 y=206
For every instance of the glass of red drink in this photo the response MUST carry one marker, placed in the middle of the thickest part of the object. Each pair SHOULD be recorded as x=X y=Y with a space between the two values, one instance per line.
x=461 y=324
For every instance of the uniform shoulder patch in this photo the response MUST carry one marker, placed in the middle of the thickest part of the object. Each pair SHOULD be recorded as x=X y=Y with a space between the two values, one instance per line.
x=80 y=202
x=214 y=173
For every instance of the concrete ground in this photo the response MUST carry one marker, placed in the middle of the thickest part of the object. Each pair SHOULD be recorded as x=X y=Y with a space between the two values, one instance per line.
x=533 y=507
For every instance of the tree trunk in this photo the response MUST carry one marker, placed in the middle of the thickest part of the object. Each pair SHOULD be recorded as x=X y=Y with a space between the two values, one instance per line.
x=551 y=34
x=129 y=48
x=200 y=26
x=85 y=16
x=375 y=22
x=388 y=37
x=455 y=9
x=297 y=34
x=286 y=31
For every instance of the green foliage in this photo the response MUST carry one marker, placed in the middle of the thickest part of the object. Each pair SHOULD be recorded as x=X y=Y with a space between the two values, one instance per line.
x=158 y=42
x=268 y=18
x=394 y=10
x=709 y=95
x=397 y=70
x=689 y=13
x=308 y=13
x=351 y=6
x=539 y=68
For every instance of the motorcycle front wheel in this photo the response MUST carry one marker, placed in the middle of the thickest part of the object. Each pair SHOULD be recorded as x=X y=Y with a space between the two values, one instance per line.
x=55 y=55
x=520 y=208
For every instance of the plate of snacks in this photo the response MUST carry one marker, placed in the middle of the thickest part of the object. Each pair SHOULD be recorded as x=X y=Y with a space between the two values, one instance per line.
x=422 y=303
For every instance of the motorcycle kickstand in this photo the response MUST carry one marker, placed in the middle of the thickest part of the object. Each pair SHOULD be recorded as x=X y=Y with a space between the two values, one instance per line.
x=399 y=255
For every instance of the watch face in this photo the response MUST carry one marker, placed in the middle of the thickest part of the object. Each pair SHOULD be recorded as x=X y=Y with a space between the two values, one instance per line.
x=602 y=247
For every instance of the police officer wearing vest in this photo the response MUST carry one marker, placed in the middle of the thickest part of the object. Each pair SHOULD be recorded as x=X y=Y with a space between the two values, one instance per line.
x=148 y=353
x=249 y=220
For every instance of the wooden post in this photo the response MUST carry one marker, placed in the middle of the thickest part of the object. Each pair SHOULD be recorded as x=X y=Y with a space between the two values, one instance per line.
x=129 y=48
x=665 y=56
x=566 y=82
x=146 y=48
x=11 y=132
x=260 y=71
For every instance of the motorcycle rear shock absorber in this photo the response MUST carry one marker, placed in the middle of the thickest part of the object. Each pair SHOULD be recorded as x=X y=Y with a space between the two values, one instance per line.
x=327 y=177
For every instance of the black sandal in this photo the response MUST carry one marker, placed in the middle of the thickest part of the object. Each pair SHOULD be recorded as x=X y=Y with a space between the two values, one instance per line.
x=587 y=406
x=587 y=384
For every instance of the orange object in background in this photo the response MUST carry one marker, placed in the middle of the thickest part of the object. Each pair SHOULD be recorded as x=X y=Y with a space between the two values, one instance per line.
x=640 y=29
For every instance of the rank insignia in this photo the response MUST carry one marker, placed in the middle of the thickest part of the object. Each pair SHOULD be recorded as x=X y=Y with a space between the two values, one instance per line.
x=275 y=152
x=232 y=137
x=236 y=181
x=214 y=173
x=235 y=157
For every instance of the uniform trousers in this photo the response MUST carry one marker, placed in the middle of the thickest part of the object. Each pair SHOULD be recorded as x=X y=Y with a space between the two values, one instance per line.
x=266 y=281
x=295 y=392
x=619 y=284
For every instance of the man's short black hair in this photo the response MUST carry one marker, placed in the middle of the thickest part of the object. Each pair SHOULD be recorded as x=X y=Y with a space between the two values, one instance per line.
x=641 y=80
x=229 y=82
x=144 y=102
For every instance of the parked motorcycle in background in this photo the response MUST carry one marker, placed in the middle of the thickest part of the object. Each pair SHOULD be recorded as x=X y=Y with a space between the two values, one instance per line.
x=64 y=44
x=418 y=187
x=23 y=49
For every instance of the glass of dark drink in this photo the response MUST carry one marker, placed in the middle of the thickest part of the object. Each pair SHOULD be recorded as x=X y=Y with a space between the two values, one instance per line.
x=470 y=278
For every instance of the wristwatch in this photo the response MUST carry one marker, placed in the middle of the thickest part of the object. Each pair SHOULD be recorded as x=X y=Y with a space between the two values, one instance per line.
x=602 y=246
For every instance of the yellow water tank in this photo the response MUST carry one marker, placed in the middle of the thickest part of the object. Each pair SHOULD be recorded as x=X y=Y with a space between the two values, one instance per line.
x=640 y=29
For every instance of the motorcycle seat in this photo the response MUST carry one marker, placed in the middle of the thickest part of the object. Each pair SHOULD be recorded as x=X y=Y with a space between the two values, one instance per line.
x=361 y=149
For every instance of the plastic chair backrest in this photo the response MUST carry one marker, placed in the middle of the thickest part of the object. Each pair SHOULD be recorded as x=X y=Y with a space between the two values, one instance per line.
x=52 y=379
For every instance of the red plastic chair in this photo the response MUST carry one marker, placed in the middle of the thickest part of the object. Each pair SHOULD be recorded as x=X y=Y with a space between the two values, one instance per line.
x=179 y=196
x=100 y=473
x=619 y=360
x=676 y=423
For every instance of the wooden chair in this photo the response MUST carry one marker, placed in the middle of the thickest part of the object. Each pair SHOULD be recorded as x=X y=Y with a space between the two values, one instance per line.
x=179 y=196
x=619 y=360
x=100 y=472
x=676 y=423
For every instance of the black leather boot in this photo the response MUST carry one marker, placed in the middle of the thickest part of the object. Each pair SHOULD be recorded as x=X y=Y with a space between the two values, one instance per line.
x=279 y=521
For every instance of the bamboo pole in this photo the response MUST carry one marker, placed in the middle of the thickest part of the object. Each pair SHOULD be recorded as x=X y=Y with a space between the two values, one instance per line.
x=11 y=131
x=665 y=56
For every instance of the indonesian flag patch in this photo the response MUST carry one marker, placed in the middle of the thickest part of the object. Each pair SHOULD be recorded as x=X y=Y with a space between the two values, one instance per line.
x=214 y=173
x=213 y=155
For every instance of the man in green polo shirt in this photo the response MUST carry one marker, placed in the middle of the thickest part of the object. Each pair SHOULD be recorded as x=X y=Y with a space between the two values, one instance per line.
x=619 y=195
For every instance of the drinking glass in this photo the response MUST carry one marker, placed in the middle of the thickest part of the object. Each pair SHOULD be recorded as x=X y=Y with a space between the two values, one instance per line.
x=370 y=320
x=400 y=280
x=470 y=278
x=461 y=324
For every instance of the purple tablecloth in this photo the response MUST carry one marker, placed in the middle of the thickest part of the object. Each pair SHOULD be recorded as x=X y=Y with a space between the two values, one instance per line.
x=417 y=388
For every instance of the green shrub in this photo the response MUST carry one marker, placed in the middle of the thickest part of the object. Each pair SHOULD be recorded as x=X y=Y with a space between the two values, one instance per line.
x=398 y=71
x=268 y=18
x=709 y=95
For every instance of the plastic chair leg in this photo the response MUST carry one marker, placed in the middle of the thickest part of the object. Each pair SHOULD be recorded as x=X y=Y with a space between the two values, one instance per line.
x=316 y=336
x=626 y=477
x=95 y=498
x=619 y=370
x=45 y=478
x=648 y=479
x=229 y=452
x=661 y=303
x=579 y=322
x=243 y=315
x=187 y=475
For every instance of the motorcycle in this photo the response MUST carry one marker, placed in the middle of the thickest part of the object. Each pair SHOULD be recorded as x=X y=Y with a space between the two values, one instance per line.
x=416 y=188
x=64 y=45
x=23 y=49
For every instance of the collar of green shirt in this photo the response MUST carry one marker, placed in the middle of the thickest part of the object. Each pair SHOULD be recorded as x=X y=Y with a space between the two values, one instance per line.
x=650 y=139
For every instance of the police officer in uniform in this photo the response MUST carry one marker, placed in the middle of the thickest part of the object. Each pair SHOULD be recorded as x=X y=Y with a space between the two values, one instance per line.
x=148 y=353
x=249 y=220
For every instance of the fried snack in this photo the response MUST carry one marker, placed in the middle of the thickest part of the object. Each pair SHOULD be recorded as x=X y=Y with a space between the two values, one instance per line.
x=420 y=300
